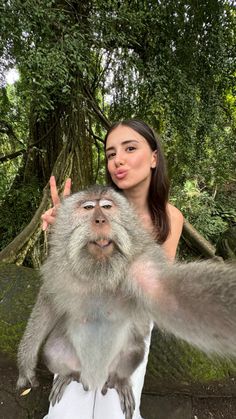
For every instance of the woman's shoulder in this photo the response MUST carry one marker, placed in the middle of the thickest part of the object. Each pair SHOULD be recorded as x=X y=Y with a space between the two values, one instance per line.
x=175 y=215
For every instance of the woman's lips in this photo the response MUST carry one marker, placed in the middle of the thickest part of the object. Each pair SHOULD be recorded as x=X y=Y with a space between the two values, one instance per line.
x=120 y=174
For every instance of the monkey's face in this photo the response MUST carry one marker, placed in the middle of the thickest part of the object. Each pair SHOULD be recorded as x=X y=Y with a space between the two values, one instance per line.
x=99 y=211
x=96 y=225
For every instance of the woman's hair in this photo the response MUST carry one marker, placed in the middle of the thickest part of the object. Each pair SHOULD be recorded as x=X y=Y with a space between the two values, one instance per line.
x=159 y=186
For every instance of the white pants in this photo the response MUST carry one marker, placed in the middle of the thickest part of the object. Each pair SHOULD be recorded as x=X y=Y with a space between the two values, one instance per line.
x=79 y=404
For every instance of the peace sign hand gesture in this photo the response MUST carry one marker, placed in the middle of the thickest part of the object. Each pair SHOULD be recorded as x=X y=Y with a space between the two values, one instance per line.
x=49 y=216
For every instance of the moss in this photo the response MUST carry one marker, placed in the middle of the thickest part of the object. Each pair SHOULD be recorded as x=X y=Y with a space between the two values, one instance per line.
x=10 y=337
x=173 y=360
x=18 y=290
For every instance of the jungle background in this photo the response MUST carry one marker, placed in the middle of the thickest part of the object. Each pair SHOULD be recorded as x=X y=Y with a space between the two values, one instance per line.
x=83 y=65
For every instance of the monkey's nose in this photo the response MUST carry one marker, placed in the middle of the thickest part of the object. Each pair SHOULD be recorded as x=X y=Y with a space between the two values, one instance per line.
x=98 y=217
x=100 y=220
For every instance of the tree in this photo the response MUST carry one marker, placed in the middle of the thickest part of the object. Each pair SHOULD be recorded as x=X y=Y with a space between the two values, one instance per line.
x=49 y=58
x=83 y=65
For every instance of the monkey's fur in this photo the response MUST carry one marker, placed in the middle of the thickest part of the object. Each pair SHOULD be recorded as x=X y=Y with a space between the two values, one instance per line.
x=92 y=314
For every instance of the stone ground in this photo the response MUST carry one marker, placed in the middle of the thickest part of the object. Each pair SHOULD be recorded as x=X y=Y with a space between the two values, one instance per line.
x=154 y=406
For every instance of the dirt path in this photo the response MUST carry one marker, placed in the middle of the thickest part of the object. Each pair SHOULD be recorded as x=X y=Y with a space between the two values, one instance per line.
x=165 y=406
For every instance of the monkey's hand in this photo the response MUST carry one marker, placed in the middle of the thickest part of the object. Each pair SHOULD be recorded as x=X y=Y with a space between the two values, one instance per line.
x=59 y=384
x=125 y=392
x=27 y=379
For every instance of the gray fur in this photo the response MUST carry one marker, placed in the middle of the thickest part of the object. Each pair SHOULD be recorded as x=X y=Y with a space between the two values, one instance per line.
x=93 y=314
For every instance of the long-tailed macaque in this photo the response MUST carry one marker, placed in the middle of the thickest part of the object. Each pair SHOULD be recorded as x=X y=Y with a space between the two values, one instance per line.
x=92 y=315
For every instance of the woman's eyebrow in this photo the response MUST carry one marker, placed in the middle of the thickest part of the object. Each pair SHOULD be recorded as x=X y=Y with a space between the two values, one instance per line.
x=123 y=143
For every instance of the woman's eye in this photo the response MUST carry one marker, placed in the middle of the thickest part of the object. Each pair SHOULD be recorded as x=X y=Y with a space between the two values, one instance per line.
x=110 y=156
x=131 y=148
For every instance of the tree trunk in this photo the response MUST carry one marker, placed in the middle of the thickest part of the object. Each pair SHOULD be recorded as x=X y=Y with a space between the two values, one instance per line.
x=65 y=149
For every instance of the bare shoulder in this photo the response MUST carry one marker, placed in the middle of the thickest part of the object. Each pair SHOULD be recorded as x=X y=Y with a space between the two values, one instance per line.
x=175 y=214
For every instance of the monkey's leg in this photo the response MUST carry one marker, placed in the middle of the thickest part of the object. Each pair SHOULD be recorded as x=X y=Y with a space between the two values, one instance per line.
x=40 y=323
x=125 y=393
x=59 y=385
x=119 y=379
x=62 y=360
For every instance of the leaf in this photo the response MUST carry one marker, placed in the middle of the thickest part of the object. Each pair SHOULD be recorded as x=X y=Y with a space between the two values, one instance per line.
x=25 y=392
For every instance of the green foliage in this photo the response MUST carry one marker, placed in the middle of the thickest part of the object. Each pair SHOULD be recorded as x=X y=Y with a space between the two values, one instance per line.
x=21 y=206
x=210 y=215
x=14 y=105
x=169 y=63
x=8 y=172
x=174 y=68
x=53 y=47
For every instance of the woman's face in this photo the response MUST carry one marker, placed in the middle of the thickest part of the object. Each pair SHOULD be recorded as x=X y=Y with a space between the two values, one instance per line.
x=129 y=158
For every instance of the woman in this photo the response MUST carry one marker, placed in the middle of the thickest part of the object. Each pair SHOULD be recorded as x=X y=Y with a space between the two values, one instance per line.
x=135 y=165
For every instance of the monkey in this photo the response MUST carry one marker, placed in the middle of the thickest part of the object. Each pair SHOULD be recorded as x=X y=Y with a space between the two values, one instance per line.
x=94 y=308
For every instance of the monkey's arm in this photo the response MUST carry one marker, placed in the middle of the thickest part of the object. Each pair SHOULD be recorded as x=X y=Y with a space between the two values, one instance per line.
x=40 y=323
x=194 y=301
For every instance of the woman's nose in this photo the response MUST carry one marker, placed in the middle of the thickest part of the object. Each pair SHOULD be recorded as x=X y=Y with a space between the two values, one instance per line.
x=119 y=159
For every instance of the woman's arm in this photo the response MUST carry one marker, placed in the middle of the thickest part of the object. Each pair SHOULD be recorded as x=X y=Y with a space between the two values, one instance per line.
x=176 y=225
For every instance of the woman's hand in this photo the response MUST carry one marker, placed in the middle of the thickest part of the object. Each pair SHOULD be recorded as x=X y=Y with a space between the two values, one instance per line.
x=49 y=216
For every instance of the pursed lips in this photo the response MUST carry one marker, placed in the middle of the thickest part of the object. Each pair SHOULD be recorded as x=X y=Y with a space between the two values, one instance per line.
x=120 y=174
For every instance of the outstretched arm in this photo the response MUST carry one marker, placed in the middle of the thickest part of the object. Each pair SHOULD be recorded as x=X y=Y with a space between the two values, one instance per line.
x=194 y=301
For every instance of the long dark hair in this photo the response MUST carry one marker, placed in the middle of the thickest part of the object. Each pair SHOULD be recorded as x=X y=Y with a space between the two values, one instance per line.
x=159 y=186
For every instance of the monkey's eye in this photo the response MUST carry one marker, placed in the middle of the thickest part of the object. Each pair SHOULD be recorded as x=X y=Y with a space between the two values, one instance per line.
x=105 y=203
x=88 y=205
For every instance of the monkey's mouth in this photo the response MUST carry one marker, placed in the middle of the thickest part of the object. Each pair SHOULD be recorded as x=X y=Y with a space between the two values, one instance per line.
x=102 y=243
x=101 y=248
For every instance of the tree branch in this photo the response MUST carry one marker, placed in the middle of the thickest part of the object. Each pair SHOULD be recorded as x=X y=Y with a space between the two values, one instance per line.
x=96 y=107
x=193 y=238
x=12 y=155
x=22 y=151
x=9 y=253
x=6 y=128
x=94 y=135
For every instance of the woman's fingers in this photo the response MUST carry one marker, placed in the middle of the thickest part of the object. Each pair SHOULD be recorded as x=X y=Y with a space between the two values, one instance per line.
x=48 y=218
x=54 y=191
x=67 y=188
x=44 y=225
